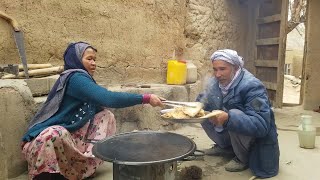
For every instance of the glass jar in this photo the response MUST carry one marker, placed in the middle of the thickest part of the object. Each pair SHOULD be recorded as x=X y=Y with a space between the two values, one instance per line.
x=306 y=132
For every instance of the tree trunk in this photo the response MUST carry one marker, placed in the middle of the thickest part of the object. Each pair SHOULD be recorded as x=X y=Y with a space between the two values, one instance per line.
x=298 y=9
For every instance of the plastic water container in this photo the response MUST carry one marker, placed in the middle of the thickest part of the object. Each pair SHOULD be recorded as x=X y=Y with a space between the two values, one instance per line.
x=306 y=132
x=176 y=72
x=192 y=72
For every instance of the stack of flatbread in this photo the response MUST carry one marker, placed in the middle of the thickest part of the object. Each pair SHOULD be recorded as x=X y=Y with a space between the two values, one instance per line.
x=189 y=113
x=184 y=113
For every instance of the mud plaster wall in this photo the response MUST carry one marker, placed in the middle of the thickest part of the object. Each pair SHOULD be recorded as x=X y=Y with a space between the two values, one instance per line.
x=295 y=58
x=312 y=83
x=297 y=65
x=134 y=38
x=212 y=25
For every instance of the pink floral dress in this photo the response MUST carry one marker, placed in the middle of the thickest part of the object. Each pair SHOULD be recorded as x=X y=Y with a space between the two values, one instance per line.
x=56 y=150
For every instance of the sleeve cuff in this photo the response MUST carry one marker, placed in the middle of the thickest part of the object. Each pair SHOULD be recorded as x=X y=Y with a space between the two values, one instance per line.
x=146 y=98
x=225 y=124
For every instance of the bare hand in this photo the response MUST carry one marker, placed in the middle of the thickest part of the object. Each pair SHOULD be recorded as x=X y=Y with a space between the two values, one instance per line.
x=155 y=101
x=219 y=119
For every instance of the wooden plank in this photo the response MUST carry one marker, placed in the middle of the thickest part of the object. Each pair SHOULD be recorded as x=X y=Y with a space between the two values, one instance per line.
x=268 y=74
x=303 y=74
x=269 y=19
x=282 y=51
x=36 y=72
x=256 y=12
x=268 y=41
x=269 y=45
x=268 y=52
x=266 y=63
x=270 y=85
x=251 y=42
x=269 y=7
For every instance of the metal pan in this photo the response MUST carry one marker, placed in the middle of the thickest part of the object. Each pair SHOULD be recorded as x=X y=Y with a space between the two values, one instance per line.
x=144 y=147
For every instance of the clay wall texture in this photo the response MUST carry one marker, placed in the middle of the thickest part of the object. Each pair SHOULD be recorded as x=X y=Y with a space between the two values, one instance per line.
x=134 y=38
x=312 y=83
x=295 y=58
x=297 y=65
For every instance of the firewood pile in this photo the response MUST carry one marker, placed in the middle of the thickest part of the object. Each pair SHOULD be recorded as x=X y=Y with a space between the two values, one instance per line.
x=14 y=71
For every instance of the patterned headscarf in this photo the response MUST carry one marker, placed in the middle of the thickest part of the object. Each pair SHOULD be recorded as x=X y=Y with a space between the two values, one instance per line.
x=229 y=56
x=72 y=59
x=73 y=55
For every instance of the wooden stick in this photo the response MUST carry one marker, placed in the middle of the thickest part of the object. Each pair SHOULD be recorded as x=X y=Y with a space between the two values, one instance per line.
x=35 y=66
x=36 y=72
x=10 y=20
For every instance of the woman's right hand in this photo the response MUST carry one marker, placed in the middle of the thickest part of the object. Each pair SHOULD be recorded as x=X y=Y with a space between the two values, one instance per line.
x=155 y=101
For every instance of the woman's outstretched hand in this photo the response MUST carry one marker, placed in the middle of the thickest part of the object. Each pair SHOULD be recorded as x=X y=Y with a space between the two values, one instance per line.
x=155 y=101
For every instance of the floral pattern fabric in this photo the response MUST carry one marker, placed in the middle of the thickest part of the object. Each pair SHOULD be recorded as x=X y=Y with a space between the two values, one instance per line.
x=56 y=150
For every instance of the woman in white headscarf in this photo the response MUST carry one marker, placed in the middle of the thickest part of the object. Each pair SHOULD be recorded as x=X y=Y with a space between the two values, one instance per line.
x=245 y=127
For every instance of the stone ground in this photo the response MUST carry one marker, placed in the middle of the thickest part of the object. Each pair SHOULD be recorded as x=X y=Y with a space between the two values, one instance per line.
x=295 y=163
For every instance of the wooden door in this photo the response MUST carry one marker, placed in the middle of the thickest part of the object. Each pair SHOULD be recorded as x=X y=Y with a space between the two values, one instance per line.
x=270 y=44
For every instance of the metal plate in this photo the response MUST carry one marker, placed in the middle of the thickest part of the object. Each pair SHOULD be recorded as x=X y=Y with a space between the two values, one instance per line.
x=189 y=120
x=144 y=147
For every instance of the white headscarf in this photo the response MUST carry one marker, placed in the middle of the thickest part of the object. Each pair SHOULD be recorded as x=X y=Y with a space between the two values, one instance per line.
x=229 y=56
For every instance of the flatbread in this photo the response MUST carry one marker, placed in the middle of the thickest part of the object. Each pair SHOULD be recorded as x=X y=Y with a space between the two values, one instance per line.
x=212 y=114
x=183 y=113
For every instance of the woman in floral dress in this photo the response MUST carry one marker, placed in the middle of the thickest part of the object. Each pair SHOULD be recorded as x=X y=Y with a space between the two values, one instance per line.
x=55 y=144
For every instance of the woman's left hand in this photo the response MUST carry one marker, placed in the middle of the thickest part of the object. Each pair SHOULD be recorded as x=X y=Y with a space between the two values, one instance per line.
x=219 y=119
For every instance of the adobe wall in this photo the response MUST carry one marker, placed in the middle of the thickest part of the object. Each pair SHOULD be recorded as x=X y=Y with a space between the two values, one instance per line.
x=16 y=108
x=312 y=83
x=134 y=38
x=295 y=58
x=212 y=25
x=297 y=65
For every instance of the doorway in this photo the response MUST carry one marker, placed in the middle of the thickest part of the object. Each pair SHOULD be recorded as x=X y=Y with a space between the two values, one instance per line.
x=294 y=53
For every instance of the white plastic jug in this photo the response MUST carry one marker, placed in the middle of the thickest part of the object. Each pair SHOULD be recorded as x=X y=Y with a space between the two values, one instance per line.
x=192 y=73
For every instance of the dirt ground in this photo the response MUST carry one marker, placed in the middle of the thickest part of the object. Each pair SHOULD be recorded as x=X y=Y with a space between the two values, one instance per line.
x=291 y=93
x=295 y=163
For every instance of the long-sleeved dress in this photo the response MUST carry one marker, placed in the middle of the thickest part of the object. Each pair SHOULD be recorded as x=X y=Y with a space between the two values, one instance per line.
x=58 y=145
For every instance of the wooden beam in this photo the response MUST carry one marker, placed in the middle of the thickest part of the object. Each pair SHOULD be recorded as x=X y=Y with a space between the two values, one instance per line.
x=281 y=53
x=36 y=72
x=270 y=85
x=269 y=19
x=266 y=63
x=267 y=41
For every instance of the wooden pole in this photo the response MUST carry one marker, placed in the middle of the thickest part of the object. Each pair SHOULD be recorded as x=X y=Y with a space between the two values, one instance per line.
x=36 y=72
x=36 y=66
